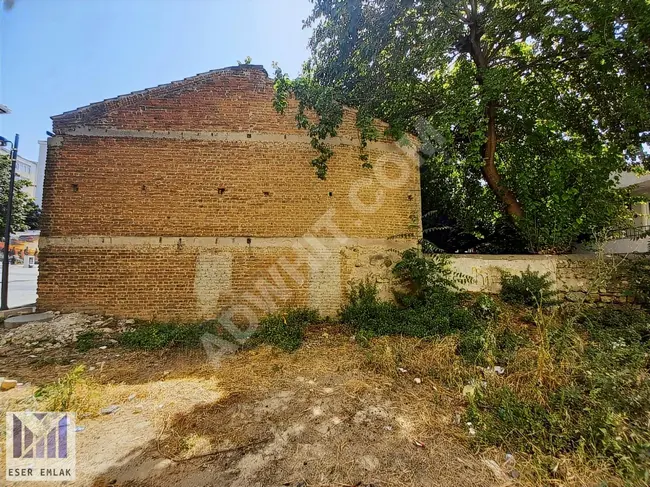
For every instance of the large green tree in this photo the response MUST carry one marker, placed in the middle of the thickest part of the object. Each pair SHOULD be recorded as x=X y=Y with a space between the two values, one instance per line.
x=532 y=104
x=25 y=212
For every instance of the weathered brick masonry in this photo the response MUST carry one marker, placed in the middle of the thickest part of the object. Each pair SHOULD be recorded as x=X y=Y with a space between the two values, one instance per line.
x=193 y=198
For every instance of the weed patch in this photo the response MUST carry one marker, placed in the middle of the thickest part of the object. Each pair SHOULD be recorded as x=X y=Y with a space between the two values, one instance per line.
x=88 y=340
x=284 y=329
x=432 y=307
x=154 y=336
x=638 y=273
x=73 y=392
x=578 y=388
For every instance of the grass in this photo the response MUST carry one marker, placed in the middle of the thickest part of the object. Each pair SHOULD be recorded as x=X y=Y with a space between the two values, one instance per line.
x=437 y=312
x=579 y=385
x=574 y=393
x=434 y=358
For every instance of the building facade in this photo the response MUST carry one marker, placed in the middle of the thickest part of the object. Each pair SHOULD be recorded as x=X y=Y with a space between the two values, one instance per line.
x=634 y=240
x=40 y=172
x=197 y=200
x=26 y=170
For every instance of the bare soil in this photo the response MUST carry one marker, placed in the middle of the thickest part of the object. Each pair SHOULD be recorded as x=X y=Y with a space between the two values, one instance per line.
x=318 y=417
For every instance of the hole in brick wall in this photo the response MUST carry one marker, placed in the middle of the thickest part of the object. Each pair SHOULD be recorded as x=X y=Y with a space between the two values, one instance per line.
x=285 y=136
x=160 y=240
x=248 y=136
x=267 y=193
x=249 y=240
x=410 y=197
x=75 y=188
x=331 y=194
x=222 y=190
x=144 y=188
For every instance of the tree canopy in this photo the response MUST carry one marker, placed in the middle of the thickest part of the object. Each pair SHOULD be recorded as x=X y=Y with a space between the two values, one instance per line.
x=528 y=106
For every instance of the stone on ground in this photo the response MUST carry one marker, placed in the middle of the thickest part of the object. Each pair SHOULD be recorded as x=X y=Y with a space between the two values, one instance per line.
x=16 y=321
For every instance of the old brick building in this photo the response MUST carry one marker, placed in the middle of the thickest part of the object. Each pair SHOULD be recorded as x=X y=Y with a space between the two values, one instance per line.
x=196 y=198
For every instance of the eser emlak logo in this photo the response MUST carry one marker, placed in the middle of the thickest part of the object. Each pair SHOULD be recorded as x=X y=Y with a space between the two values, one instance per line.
x=40 y=446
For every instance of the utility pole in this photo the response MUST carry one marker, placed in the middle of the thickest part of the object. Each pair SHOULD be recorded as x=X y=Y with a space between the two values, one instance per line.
x=10 y=201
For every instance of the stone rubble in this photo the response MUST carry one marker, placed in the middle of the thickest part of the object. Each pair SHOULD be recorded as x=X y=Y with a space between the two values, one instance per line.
x=37 y=337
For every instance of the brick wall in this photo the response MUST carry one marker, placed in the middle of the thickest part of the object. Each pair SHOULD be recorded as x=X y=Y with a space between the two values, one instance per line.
x=189 y=199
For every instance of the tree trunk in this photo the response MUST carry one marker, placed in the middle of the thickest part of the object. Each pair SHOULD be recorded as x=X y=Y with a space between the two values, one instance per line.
x=489 y=169
x=489 y=148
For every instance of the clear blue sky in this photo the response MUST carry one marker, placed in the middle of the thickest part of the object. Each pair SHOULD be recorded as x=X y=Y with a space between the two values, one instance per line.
x=57 y=55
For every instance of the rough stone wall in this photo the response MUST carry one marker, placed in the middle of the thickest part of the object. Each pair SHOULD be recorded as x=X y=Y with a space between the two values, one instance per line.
x=195 y=199
x=576 y=277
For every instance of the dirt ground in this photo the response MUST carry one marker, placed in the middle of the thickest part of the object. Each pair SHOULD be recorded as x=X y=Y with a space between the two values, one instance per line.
x=318 y=417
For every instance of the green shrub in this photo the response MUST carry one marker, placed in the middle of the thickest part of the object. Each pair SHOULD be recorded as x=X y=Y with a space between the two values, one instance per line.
x=58 y=395
x=529 y=289
x=432 y=306
x=284 y=329
x=440 y=313
x=154 y=336
x=638 y=273
x=422 y=272
x=610 y=324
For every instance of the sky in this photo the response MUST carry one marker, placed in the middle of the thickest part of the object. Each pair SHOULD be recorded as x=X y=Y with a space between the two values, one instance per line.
x=57 y=55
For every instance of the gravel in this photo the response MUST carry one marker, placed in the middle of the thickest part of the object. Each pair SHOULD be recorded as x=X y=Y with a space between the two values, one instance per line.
x=63 y=330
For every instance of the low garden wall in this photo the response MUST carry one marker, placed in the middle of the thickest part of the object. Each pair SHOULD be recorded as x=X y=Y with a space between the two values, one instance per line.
x=590 y=277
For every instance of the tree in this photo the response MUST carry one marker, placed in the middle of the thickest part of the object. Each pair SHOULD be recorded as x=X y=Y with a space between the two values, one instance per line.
x=533 y=103
x=25 y=212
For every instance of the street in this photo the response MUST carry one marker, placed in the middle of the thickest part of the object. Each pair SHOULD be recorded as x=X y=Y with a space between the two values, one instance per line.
x=22 y=285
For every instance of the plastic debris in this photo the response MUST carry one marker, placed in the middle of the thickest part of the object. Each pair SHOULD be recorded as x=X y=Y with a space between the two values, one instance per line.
x=417 y=380
x=402 y=370
x=469 y=390
x=8 y=384
x=418 y=444
x=110 y=409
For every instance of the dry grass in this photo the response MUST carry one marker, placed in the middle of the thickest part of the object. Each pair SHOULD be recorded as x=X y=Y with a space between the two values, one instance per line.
x=330 y=414
x=540 y=366
x=267 y=367
x=435 y=359
x=333 y=413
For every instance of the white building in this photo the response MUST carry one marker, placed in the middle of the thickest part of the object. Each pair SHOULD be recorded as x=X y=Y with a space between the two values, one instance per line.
x=40 y=171
x=635 y=239
x=26 y=169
